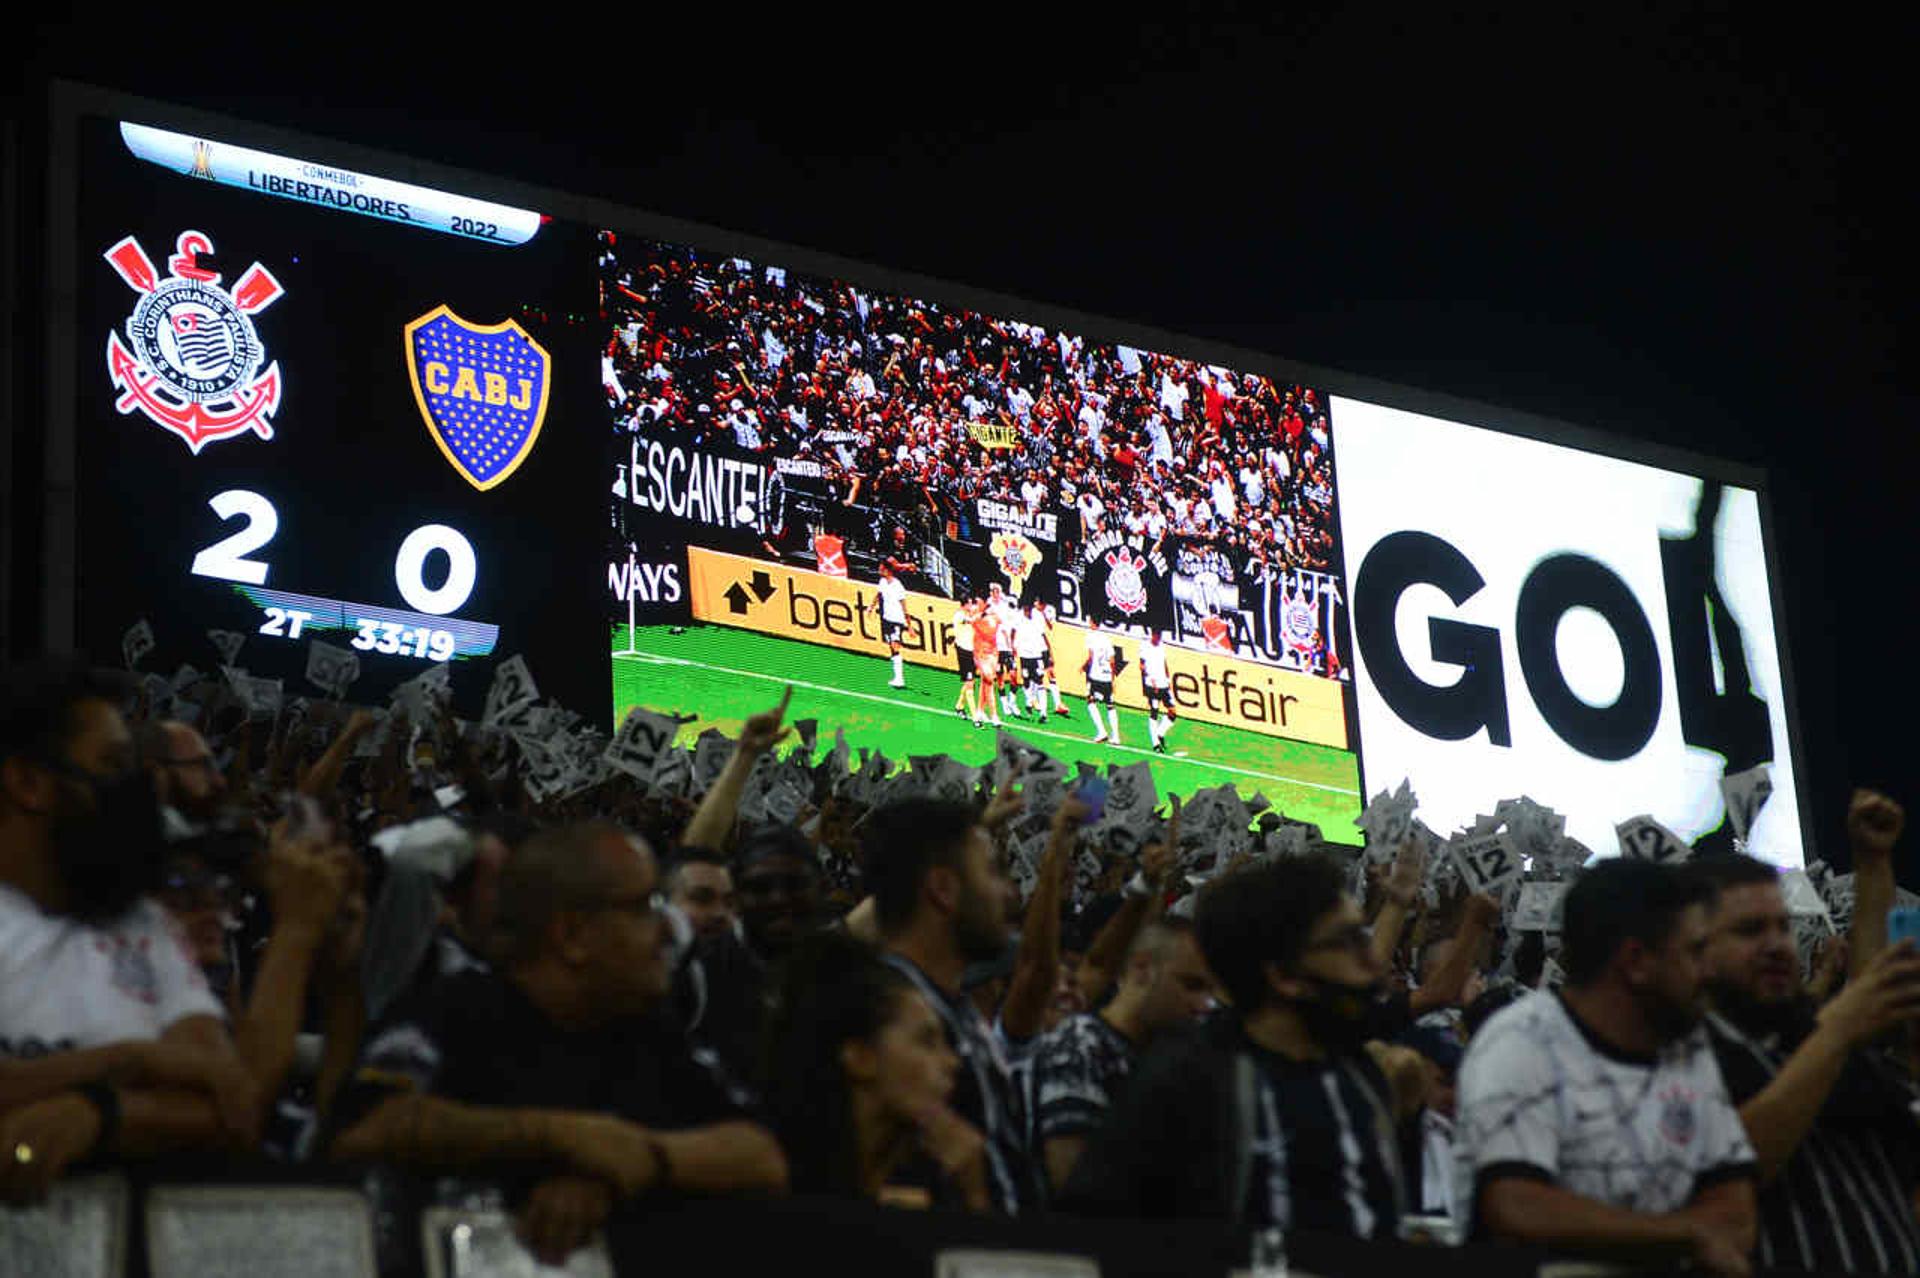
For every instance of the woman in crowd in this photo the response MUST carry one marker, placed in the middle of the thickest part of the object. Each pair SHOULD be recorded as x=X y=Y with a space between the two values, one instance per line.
x=858 y=1073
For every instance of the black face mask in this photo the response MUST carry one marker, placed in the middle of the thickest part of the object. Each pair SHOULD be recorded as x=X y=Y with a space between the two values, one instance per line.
x=108 y=847
x=1336 y=1015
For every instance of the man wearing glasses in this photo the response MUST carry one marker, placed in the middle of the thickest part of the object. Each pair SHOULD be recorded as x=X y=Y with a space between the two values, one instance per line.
x=1275 y=1114
x=185 y=777
x=560 y=1055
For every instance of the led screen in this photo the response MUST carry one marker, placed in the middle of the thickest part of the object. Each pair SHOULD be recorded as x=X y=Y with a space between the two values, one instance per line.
x=319 y=405
x=1537 y=620
x=783 y=441
x=321 y=411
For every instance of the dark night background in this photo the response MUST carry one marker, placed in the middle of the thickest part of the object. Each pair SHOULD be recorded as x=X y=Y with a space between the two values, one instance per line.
x=1670 y=223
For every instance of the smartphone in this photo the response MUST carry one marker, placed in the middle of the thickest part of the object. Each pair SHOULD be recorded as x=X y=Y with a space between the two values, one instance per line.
x=1093 y=793
x=1903 y=923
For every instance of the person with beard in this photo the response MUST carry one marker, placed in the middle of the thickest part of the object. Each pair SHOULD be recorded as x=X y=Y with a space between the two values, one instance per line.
x=1594 y=1118
x=110 y=1042
x=186 y=779
x=941 y=901
x=1832 y=1124
x=1275 y=1114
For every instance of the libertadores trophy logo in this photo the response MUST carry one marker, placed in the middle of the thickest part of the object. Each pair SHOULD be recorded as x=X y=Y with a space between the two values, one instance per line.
x=482 y=389
x=1126 y=589
x=191 y=361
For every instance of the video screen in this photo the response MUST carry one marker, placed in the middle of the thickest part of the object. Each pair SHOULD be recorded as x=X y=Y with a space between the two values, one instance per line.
x=940 y=525
x=1535 y=620
x=329 y=428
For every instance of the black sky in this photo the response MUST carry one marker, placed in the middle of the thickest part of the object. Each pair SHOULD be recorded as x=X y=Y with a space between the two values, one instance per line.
x=1669 y=222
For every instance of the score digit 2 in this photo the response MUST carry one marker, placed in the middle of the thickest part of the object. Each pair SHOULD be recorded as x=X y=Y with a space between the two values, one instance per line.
x=230 y=559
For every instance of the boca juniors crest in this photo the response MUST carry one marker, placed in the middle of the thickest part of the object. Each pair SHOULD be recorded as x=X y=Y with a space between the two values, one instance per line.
x=482 y=390
x=191 y=361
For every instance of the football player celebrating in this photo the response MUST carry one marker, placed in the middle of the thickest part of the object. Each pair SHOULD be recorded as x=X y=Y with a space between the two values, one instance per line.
x=1030 y=643
x=986 y=659
x=1100 y=667
x=1158 y=687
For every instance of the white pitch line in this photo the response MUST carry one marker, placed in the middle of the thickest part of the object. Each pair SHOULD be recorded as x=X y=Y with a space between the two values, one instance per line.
x=658 y=659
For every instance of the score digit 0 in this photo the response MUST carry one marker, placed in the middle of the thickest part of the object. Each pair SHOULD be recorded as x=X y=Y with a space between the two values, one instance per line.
x=227 y=558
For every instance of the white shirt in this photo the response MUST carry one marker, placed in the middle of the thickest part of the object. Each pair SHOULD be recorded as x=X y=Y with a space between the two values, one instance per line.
x=1173 y=397
x=1030 y=636
x=1099 y=657
x=893 y=601
x=1223 y=496
x=1033 y=492
x=66 y=985
x=1009 y=613
x=1639 y=1135
x=962 y=624
x=1153 y=664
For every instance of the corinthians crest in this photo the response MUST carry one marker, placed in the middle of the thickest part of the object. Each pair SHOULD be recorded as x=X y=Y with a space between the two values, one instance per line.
x=1126 y=590
x=191 y=361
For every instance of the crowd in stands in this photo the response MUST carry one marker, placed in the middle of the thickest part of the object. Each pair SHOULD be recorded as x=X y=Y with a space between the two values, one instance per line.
x=921 y=407
x=241 y=934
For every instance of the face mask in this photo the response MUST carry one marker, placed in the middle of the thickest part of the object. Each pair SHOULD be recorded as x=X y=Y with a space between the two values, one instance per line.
x=108 y=847
x=1336 y=1015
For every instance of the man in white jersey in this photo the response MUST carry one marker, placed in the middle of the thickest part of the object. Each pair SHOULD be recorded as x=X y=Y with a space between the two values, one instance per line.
x=1100 y=668
x=111 y=1043
x=1594 y=1117
x=962 y=623
x=1030 y=645
x=1157 y=685
x=893 y=618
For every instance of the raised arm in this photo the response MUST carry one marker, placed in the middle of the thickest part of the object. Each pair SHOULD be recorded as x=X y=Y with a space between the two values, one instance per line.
x=305 y=882
x=1101 y=966
x=1036 y=967
x=713 y=820
x=1402 y=888
x=1874 y=823
x=324 y=775
x=1449 y=981
x=1778 y=1117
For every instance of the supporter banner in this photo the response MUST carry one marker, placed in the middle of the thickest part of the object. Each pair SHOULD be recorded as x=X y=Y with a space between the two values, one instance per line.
x=1210 y=687
x=701 y=488
x=1119 y=579
x=994 y=435
x=1001 y=516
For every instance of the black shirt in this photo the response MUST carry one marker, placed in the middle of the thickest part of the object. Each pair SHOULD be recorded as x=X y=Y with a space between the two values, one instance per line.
x=1844 y=1200
x=477 y=1039
x=1212 y=1126
x=984 y=1093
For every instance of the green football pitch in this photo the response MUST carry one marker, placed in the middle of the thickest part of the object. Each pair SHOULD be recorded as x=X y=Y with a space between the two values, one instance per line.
x=721 y=675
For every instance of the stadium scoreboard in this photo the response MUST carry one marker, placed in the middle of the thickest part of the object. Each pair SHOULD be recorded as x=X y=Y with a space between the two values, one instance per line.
x=442 y=422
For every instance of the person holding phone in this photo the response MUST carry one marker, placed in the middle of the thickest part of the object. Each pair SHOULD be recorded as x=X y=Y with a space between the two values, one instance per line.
x=1831 y=1122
